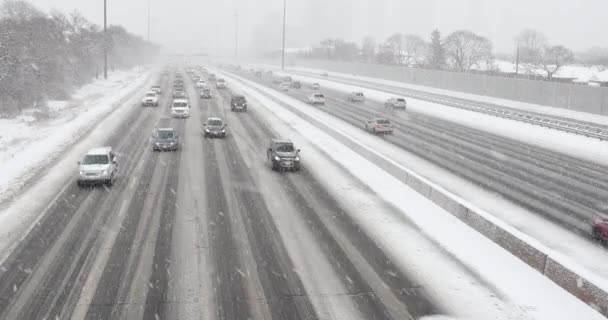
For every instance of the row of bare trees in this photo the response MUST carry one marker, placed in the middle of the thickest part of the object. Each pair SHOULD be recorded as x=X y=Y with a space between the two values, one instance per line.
x=45 y=56
x=461 y=50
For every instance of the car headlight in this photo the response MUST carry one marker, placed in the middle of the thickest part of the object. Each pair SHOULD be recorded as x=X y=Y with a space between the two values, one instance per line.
x=207 y=130
x=296 y=158
x=223 y=130
x=104 y=173
x=277 y=158
x=81 y=173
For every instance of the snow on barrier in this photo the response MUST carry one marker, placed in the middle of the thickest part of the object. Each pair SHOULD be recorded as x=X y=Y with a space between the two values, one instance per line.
x=528 y=250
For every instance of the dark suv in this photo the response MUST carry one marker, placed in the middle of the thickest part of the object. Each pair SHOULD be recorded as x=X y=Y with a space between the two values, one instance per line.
x=238 y=103
x=283 y=155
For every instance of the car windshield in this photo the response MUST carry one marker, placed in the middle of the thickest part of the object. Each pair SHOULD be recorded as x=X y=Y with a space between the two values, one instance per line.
x=214 y=122
x=95 y=159
x=180 y=105
x=319 y=95
x=284 y=147
x=400 y=100
x=382 y=121
x=165 y=134
x=150 y=94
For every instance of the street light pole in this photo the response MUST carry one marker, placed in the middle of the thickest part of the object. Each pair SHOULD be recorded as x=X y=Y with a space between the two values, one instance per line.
x=105 y=39
x=148 y=20
x=236 y=39
x=283 y=50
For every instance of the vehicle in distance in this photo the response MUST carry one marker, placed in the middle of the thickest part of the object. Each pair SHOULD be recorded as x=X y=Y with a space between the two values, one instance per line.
x=356 y=97
x=379 y=125
x=196 y=78
x=99 y=166
x=396 y=103
x=179 y=94
x=180 y=108
x=212 y=77
x=206 y=93
x=599 y=229
x=284 y=86
x=220 y=84
x=324 y=74
x=150 y=99
x=165 y=139
x=200 y=84
x=287 y=79
x=283 y=155
x=315 y=86
x=296 y=84
x=156 y=89
x=238 y=103
x=316 y=98
x=258 y=74
x=214 y=127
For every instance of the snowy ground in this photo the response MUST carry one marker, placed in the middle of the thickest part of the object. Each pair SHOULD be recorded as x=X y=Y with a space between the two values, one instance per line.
x=30 y=141
x=484 y=271
x=579 y=253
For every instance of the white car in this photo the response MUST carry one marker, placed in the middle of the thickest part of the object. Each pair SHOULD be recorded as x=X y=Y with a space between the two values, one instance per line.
x=221 y=83
x=396 y=103
x=180 y=108
x=201 y=84
x=315 y=86
x=316 y=98
x=99 y=166
x=284 y=86
x=379 y=125
x=157 y=89
x=150 y=99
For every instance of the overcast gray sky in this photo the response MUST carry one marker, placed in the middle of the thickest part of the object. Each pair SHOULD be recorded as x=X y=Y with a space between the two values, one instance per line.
x=194 y=25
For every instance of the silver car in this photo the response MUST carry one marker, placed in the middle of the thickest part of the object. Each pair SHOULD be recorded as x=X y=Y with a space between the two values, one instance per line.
x=356 y=97
x=379 y=125
x=99 y=166
x=396 y=103
x=214 y=127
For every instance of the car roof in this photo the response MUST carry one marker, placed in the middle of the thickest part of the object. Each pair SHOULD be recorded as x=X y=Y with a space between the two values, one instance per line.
x=180 y=100
x=156 y=86
x=165 y=129
x=281 y=141
x=215 y=118
x=100 y=151
x=238 y=96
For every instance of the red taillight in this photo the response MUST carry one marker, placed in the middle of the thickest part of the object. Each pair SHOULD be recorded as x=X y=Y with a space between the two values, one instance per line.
x=378 y=126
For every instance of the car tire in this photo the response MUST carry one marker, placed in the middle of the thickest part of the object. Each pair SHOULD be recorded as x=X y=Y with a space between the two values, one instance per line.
x=596 y=234
x=80 y=184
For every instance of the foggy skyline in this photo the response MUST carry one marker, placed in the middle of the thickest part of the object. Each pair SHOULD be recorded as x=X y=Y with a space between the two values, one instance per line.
x=204 y=25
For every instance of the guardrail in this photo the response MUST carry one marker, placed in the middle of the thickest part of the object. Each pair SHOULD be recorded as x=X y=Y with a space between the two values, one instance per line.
x=579 y=127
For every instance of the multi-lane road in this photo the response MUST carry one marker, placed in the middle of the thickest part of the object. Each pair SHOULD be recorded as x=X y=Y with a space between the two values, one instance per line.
x=211 y=232
x=206 y=232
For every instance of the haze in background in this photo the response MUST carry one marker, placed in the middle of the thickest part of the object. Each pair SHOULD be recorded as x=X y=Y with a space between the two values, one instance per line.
x=209 y=26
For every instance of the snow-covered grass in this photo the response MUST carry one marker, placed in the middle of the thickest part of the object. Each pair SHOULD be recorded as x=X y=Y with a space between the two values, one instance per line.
x=500 y=286
x=29 y=142
x=57 y=144
x=585 y=148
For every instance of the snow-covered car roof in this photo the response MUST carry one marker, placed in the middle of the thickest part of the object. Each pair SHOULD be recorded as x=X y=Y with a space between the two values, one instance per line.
x=99 y=151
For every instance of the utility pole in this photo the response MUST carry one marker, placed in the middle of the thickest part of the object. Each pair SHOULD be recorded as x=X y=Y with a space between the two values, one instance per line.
x=148 y=20
x=105 y=39
x=236 y=39
x=517 y=61
x=283 y=51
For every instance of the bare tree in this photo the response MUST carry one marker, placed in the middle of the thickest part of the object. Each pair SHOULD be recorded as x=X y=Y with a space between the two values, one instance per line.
x=395 y=44
x=413 y=49
x=531 y=44
x=466 y=49
x=554 y=58
x=368 y=49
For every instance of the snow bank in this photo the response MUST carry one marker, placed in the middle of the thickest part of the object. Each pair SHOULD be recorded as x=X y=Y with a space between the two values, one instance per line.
x=535 y=296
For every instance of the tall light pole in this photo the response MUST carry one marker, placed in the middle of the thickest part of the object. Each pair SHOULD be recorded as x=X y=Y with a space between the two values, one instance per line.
x=236 y=38
x=105 y=39
x=283 y=51
x=148 y=20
